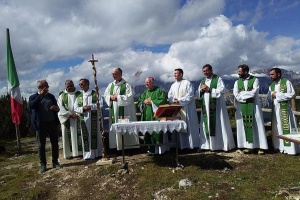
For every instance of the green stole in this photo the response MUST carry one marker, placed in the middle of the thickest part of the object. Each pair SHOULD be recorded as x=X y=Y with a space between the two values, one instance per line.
x=210 y=129
x=94 y=123
x=284 y=113
x=148 y=115
x=65 y=103
x=247 y=108
x=121 y=108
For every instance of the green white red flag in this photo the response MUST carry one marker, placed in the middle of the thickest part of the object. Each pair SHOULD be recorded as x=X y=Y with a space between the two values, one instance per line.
x=16 y=101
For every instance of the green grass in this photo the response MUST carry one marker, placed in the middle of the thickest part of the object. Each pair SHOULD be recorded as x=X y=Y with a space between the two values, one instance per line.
x=214 y=176
x=17 y=173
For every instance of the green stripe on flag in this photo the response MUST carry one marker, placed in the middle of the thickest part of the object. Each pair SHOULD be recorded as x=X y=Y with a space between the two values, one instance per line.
x=11 y=68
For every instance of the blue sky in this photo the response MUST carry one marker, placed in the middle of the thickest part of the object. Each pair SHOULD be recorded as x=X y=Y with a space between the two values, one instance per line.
x=54 y=40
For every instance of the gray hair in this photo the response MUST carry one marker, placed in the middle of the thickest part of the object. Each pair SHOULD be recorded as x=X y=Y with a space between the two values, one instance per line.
x=150 y=78
x=69 y=82
x=40 y=83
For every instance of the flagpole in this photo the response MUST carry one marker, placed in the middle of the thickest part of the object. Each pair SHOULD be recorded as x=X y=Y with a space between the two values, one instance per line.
x=104 y=153
x=18 y=138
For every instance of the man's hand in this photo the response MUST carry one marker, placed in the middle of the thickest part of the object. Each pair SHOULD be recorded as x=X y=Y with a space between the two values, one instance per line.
x=147 y=101
x=274 y=95
x=54 y=108
x=73 y=115
x=204 y=88
x=86 y=108
x=45 y=91
x=175 y=101
x=114 y=97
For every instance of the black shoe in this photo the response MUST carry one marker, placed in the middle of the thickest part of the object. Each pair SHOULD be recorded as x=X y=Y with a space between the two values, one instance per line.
x=149 y=153
x=69 y=157
x=42 y=169
x=57 y=165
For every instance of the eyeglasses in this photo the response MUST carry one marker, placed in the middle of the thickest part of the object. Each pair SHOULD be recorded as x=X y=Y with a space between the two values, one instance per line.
x=80 y=84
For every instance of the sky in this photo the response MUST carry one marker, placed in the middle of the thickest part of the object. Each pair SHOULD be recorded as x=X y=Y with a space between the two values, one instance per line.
x=54 y=40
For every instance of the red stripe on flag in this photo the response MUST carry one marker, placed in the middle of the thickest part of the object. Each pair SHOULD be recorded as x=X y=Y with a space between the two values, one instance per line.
x=16 y=111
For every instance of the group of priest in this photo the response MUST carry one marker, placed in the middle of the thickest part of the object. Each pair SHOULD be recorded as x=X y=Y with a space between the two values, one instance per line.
x=78 y=114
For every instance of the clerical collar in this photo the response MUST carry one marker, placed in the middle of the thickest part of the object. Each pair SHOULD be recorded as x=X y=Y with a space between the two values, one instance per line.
x=70 y=92
x=150 y=89
x=277 y=82
x=179 y=80
x=210 y=77
x=246 y=78
x=118 y=81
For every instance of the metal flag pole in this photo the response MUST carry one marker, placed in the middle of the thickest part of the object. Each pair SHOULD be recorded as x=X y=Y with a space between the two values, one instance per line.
x=104 y=153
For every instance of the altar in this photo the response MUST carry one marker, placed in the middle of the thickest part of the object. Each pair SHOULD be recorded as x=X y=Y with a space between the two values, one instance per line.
x=177 y=126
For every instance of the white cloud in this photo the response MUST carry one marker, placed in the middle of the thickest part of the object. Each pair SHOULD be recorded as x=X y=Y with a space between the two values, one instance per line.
x=197 y=32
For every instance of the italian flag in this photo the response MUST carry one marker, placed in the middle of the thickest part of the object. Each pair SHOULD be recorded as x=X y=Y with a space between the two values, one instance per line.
x=16 y=101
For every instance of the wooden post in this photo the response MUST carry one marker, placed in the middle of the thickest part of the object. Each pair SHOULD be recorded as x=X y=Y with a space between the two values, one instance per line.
x=293 y=105
x=104 y=153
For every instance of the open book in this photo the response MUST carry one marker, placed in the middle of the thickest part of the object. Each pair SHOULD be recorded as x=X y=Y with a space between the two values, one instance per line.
x=168 y=111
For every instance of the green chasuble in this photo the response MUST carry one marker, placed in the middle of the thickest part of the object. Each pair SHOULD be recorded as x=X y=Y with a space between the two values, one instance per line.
x=158 y=97
x=284 y=110
x=65 y=103
x=210 y=129
x=114 y=118
x=247 y=108
x=94 y=123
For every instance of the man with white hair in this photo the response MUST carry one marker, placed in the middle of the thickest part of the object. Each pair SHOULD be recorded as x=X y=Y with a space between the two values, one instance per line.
x=148 y=103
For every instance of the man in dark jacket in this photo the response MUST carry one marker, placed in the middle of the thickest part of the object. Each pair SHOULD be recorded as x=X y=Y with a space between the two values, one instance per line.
x=44 y=119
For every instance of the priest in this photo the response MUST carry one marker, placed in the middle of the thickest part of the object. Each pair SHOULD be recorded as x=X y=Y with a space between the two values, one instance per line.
x=215 y=128
x=86 y=106
x=119 y=96
x=280 y=93
x=250 y=126
x=71 y=134
x=182 y=93
x=148 y=103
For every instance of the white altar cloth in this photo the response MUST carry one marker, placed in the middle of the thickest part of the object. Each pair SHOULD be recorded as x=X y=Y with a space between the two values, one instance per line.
x=149 y=126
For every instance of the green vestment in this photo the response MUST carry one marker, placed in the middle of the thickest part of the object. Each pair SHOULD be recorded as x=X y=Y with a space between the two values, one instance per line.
x=210 y=129
x=158 y=97
x=94 y=123
x=65 y=103
x=284 y=110
x=247 y=108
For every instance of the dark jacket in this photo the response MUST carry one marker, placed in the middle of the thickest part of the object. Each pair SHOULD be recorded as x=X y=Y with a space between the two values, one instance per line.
x=34 y=101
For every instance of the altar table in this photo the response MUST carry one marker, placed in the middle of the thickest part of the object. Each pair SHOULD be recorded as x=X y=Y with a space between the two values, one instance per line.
x=178 y=126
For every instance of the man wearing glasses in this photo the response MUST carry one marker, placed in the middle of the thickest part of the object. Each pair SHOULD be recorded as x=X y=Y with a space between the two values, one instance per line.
x=43 y=107
x=71 y=137
x=86 y=106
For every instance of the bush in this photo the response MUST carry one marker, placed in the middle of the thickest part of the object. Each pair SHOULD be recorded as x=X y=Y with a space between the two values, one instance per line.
x=7 y=127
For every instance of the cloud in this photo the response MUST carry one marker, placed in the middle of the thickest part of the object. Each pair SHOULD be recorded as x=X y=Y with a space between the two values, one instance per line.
x=196 y=31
